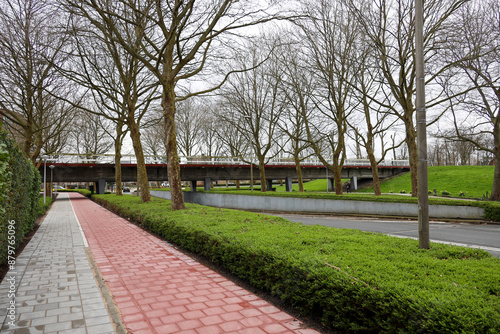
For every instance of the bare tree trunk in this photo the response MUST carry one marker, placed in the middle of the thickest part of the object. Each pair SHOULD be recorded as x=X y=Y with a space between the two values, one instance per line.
x=262 y=172
x=337 y=169
x=142 y=175
x=338 y=158
x=336 y=166
x=237 y=184
x=118 y=157
x=495 y=192
x=373 y=161
x=374 y=166
x=413 y=156
x=173 y=168
x=299 y=172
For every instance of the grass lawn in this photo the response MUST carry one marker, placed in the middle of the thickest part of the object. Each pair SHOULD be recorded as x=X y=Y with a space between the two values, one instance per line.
x=314 y=185
x=310 y=186
x=474 y=181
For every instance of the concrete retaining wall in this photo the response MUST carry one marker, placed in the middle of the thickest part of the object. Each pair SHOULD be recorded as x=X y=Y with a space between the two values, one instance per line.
x=289 y=204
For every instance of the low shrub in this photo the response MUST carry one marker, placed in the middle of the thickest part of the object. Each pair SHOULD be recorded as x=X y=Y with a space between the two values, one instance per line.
x=354 y=281
x=491 y=211
x=84 y=192
x=44 y=207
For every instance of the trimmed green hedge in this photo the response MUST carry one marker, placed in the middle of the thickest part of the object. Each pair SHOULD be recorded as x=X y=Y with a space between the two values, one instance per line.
x=19 y=198
x=354 y=281
x=491 y=211
x=84 y=192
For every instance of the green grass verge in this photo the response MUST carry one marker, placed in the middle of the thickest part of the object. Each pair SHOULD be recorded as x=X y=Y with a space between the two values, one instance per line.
x=470 y=181
x=310 y=186
x=84 y=192
x=355 y=281
x=314 y=185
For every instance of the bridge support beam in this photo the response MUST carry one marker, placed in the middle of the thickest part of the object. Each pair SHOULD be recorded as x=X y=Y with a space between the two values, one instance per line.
x=331 y=184
x=207 y=184
x=101 y=186
x=269 y=184
x=193 y=186
x=354 y=183
x=288 y=183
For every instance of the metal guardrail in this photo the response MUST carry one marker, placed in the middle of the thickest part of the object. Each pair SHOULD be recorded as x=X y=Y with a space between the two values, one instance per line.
x=203 y=160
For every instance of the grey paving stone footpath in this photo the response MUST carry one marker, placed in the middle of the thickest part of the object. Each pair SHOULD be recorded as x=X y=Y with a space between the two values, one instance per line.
x=52 y=282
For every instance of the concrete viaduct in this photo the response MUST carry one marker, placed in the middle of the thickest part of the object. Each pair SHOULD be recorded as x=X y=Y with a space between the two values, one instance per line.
x=208 y=169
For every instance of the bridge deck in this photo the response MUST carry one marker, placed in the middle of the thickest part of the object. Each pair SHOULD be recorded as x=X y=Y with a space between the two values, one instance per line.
x=80 y=172
x=101 y=169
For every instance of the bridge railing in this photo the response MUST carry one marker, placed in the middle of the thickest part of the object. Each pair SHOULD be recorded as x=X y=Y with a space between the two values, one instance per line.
x=205 y=160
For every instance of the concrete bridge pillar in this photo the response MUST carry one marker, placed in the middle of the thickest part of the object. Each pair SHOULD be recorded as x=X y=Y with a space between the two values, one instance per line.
x=269 y=184
x=288 y=183
x=100 y=186
x=208 y=184
x=193 y=186
x=354 y=183
x=331 y=184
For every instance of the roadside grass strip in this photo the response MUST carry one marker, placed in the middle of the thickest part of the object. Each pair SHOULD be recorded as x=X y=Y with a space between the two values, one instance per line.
x=352 y=280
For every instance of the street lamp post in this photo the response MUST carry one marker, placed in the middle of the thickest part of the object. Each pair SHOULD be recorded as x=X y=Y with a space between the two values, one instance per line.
x=423 y=187
x=326 y=179
x=44 y=157
x=251 y=173
x=51 y=186
x=247 y=117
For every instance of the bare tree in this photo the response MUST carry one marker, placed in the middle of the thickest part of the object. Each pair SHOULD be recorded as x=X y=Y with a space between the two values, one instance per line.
x=254 y=97
x=234 y=143
x=197 y=130
x=118 y=82
x=177 y=40
x=331 y=35
x=89 y=134
x=153 y=138
x=190 y=118
x=474 y=46
x=390 y=26
x=298 y=88
x=375 y=120
x=450 y=150
x=212 y=144
x=30 y=45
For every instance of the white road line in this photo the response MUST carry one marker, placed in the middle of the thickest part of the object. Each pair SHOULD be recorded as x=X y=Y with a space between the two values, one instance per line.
x=85 y=243
x=486 y=248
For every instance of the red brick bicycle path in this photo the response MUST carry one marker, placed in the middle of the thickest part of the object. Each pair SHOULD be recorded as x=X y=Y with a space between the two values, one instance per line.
x=157 y=289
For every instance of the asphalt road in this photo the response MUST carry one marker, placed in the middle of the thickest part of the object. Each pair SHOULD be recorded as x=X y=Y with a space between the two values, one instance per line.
x=484 y=236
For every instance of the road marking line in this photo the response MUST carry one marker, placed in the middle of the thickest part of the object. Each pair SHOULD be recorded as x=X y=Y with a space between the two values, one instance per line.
x=486 y=248
x=85 y=243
